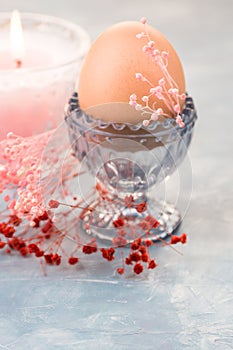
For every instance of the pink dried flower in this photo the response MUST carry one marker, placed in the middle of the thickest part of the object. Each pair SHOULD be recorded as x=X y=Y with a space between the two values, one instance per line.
x=133 y=100
x=164 y=54
x=140 y=35
x=143 y=20
x=166 y=90
x=180 y=121
x=139 y=76
x=145 y=122
x=145 y=98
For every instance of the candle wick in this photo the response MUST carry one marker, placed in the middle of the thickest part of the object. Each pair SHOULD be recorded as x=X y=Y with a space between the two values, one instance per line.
x=18 y=63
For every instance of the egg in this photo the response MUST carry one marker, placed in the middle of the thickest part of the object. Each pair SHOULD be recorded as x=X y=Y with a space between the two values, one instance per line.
x=110 y=70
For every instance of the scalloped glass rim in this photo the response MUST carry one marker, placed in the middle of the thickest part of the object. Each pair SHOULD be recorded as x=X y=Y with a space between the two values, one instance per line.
x=86 y=121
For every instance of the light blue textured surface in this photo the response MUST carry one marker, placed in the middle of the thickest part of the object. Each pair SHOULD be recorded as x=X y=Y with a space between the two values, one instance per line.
x=187 y=302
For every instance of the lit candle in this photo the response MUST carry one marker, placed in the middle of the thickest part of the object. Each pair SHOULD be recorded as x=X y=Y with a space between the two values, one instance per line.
x=40 y=58
x=17 y=39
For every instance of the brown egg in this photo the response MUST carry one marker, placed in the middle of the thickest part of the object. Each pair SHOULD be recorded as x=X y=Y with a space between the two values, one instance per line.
x=108 y=74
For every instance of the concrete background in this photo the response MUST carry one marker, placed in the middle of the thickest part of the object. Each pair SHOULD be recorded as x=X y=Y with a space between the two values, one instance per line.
x=187 y=302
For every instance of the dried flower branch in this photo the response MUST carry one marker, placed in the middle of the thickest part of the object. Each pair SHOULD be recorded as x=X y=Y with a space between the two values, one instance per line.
x=167 y=89
x=29 y=225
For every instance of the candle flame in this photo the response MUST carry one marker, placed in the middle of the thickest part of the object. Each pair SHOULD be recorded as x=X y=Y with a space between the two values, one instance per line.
x=17 y=38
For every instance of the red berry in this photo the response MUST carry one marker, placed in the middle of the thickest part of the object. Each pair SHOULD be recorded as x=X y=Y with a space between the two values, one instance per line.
x=145 y=257
x=88 y=249
x=39 y=253
x=118 y=223
x=135 y=256
x=152 y=221
x=136 y=244
x=56 y=259
x=2 y=245
x=73 y=260
x=175 y=239
x=14 y=220
x=142 y=249
x=128 y=261
x=148 y=242
x=138 y=268
x=44 y=216
x=3 y=225
x=152 y=264
x=23 y=251
x=120 y=270
x=183 y=238
x=108 y=254
x=48 y=258
x=33 y=248
x=53 y=204
x=141 y=207
x=9 y=231
x=37 y=222
x=47 y=226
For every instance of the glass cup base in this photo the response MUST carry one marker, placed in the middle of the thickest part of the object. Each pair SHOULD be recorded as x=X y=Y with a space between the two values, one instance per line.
x=99 y=223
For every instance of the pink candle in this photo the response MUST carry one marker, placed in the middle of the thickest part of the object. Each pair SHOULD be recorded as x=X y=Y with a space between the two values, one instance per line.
x=33 y=59
x=39 y=63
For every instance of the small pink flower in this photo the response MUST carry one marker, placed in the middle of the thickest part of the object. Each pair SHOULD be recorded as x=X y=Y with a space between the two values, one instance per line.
x=139 y=76
x=164 y=54
x=145 y=122
x=138 y=107
x=140 y=35
x=162 y=82
x=145 y=98
x=156 y=90
x=177 y=108
x=159 y=95
x=133 y=97
x=145 y=49
x=179 y=121
x=10 y=135
x=143 y=20
x=151 y=44
x=156 y=52
x=182 y=96
x=132 y=103
x=154 y=117
x=173 y=91
x=153 y=90
x=159 y=111
x=133 y=100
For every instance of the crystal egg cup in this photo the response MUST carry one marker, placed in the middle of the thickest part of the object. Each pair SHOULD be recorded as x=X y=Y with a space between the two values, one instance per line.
x=126 y=161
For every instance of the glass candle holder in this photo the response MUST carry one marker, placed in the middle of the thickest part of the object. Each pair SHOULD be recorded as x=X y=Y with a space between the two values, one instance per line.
x=128 y=160
x=32 y=97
